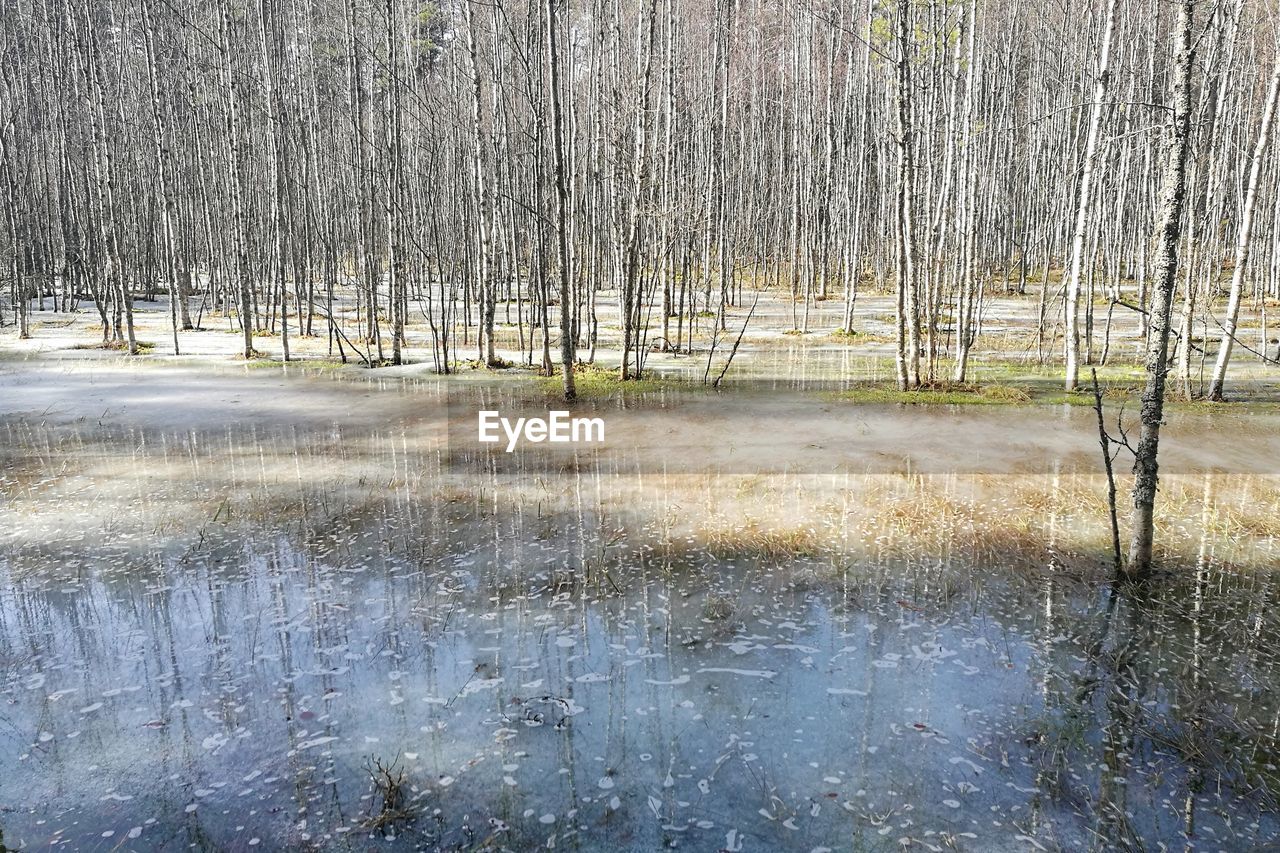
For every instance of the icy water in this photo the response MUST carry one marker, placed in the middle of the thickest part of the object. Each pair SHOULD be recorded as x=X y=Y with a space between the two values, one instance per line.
x=210 y=634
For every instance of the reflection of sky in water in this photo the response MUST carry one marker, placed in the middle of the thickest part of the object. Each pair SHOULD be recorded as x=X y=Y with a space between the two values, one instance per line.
x=225 y=676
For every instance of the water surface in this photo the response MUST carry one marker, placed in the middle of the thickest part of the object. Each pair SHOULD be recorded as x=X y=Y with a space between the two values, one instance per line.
x=211 y=633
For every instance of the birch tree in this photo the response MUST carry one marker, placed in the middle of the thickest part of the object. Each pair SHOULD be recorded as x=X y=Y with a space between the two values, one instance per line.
x=1245 y=238
x=1084 y=195
x=1173 y=188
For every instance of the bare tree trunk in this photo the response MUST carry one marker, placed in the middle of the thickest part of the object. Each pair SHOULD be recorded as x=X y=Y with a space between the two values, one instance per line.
x=1085 y=198
x=563 y=211
x=275 y=260
x=1244 y=240
x=1173 y=187
x=167 y=203
x=969 y=285
x=233 y=182
x=396 y=284
x=908 y=312
x=631 y=297
x=8 y=156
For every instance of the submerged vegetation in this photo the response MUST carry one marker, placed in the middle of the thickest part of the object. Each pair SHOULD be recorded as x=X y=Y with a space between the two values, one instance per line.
x=389 y=800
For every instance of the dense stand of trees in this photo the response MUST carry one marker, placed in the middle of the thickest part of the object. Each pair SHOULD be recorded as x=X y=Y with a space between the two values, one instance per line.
x=358 y=168
x=352 y=168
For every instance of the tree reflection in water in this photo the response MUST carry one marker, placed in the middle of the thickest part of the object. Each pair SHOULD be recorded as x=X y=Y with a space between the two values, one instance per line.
x=566 y=664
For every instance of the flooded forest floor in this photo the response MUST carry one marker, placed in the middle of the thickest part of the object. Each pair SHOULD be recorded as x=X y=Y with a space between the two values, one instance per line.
x=301 y=607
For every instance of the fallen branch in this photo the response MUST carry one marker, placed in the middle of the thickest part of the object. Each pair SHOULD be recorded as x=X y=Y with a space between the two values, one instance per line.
x=737 y=342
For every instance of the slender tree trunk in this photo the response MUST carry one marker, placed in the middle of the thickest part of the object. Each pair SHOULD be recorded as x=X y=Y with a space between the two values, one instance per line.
x=1084 y=198
x=1173 y=188
x=908 y=312
x=167 y=203
x=1244 y=241
x=969 y=285
x=233 y=181
x=7 y=163
x=563 y=210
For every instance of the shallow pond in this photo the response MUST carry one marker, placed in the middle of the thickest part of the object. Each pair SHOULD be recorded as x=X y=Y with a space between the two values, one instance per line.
x=221 y=637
